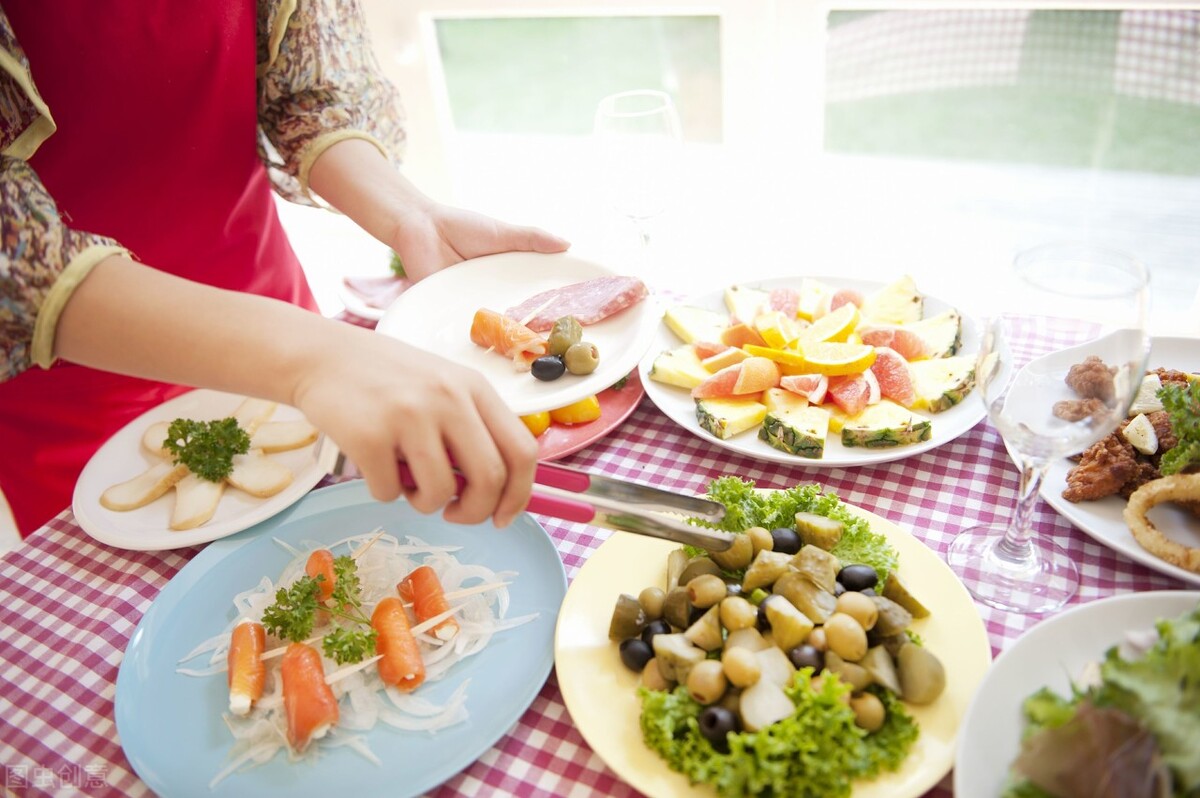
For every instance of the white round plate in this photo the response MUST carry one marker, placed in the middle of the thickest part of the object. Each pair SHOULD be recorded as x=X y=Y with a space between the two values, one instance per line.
x=601 y=693
x=148 y=528
x=436 y=313
x=1050 y=654
x=679 y=406
x=1103 y=519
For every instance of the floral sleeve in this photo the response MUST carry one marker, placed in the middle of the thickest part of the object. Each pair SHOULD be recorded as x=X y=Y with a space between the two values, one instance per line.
x=319 y=83
x=41 y=261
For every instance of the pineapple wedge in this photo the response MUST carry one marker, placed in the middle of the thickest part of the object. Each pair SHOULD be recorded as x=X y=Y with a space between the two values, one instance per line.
x=680 y=367
x=745 y=303
x=800 y=431
x=885 y=424
x=814 y=297
x=941 y=384
x=694 y=324
x=728 y=417
x=941 y=333
x=897 y=303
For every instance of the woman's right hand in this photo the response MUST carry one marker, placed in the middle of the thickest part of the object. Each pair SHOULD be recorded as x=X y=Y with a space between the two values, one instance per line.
x=383 y=401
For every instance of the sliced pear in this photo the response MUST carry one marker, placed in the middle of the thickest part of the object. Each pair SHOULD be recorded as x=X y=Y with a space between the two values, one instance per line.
x=154 y=437
x=283 y=436
x=196 y=501
x=258 y=475
x=144 y=488
x=252 y=413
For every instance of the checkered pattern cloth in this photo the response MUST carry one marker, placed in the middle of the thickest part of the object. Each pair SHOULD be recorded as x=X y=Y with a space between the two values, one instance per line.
x=68 y=606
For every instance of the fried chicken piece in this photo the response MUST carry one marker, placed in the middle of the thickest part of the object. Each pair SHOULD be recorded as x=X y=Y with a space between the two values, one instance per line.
x=1144 y=471
x=1079 y=409
x=1161 y=421
x=1170 y=375
x=1103 y=469
x=1092 y=379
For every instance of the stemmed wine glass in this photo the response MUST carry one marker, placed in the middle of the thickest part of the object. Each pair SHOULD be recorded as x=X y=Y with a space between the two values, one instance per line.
x=1086 y=301
x=639 y=137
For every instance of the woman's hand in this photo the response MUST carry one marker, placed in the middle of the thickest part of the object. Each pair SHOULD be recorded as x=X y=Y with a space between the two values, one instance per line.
x=382 y=401
x=355 y=177
x=430 y=236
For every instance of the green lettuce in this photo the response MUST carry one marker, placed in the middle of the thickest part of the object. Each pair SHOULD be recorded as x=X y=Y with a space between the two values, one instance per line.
x=818 y=752
x=745 y=506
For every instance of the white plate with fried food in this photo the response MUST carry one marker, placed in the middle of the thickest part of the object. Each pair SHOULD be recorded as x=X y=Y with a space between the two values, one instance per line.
x=290 y=460
x=1103 y=519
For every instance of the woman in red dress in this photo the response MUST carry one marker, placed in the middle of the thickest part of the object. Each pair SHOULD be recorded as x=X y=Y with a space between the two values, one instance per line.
x=140 y=250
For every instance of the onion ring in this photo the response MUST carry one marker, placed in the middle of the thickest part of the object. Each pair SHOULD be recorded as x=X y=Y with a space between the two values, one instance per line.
x=1181 y=488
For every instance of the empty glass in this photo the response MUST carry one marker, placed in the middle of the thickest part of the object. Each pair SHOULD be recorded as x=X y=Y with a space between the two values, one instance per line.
x=1085 y=301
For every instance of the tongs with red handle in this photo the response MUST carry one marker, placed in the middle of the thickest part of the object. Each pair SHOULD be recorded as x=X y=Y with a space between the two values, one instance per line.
x=574 y=495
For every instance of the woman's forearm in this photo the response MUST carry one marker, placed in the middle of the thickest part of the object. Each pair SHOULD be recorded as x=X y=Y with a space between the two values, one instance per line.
x=132 y=319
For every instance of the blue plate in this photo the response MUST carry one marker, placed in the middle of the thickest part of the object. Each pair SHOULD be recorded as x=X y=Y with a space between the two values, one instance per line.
x=170 y=725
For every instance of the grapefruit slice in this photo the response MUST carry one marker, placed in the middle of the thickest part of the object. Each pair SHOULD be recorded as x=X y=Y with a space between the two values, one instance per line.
x=851 y=393
x=910 y=345
x=757 y=375
x=891 y=372
x=718 y=385
x=812 y=387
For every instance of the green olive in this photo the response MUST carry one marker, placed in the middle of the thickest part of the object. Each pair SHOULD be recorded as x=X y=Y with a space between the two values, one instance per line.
x=706 y=681
x=860 y=608
x=845 y=637
x=742 y=667
x=706 y=590
x=760 y=539
x=582 y=358
x=737 y=613
x=651 y=599
x=564 y=334
x=869 y=712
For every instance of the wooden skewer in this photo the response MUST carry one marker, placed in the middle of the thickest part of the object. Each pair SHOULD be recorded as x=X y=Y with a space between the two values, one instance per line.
x=359 y=551
x=342 y=673
x=419 y=628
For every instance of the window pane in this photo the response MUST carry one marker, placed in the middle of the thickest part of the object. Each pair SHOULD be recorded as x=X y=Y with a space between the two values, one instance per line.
x=1115 y=90
x=545 y=75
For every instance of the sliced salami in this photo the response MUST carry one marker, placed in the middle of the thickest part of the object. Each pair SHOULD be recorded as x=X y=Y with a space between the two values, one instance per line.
x=589 y=302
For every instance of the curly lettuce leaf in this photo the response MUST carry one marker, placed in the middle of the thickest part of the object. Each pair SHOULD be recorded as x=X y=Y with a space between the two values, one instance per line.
x=745 y=506
x=817 y=752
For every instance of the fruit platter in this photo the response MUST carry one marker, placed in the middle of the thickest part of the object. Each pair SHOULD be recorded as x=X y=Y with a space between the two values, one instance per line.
x=817 y=371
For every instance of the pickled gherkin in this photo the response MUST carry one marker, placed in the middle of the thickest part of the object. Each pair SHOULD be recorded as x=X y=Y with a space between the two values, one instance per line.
x=564 y=334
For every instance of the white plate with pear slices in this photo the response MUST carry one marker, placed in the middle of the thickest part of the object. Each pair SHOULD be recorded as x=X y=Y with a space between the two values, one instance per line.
x=1104 y=519
x=285 y=466
x=950 y=336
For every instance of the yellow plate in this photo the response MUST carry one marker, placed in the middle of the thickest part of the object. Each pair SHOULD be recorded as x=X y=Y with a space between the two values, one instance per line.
x=601 y=693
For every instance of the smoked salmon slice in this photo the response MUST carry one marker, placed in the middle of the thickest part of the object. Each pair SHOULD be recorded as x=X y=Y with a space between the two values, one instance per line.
x=423 y=590
x=312 y=709
x=401 y=665
x=320 y=564
x=247 y=672
x=512 y=339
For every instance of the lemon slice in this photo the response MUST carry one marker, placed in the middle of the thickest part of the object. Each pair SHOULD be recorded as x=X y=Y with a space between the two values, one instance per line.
x=836 y=326
x=836 y=358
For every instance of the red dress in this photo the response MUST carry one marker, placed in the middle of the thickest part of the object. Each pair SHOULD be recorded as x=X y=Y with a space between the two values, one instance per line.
x=155 y=103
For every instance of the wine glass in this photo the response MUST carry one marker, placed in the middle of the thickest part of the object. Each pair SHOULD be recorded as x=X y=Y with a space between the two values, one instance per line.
x=639 y=138
x=1084 y=301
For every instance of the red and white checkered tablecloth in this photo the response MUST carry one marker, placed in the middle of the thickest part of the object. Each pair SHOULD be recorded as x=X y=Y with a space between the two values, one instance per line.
x=68 y=606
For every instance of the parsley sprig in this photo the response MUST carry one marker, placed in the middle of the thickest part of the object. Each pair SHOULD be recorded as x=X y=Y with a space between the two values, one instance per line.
x=1183 y=408
x=207 y=448
x=294 y=613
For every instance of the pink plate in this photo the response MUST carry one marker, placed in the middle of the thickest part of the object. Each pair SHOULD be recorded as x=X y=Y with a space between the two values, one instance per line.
x=561 y=440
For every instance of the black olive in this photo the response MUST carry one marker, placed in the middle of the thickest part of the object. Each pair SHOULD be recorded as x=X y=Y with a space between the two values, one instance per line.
x=870 y=591
x=635 y=653
x=733 y=588
x=653 y=628
x=695 y=614
x=858 y=577
x=806 y=656
x=716 y=722
x=548 y=367
x=838 y=589
x=785 y=541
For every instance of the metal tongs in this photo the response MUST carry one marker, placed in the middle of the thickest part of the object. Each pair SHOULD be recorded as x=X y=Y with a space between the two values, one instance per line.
x=574 y=495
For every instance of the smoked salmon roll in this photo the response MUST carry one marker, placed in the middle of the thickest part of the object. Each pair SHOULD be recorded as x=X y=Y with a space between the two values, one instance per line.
x=423 y=590
x=247 y=672
x=512 y=339
x=320 y=564
x=401 y=664
x=312 y=709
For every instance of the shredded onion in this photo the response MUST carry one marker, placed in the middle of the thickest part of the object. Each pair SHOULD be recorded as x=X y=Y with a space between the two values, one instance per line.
x=364 y=700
